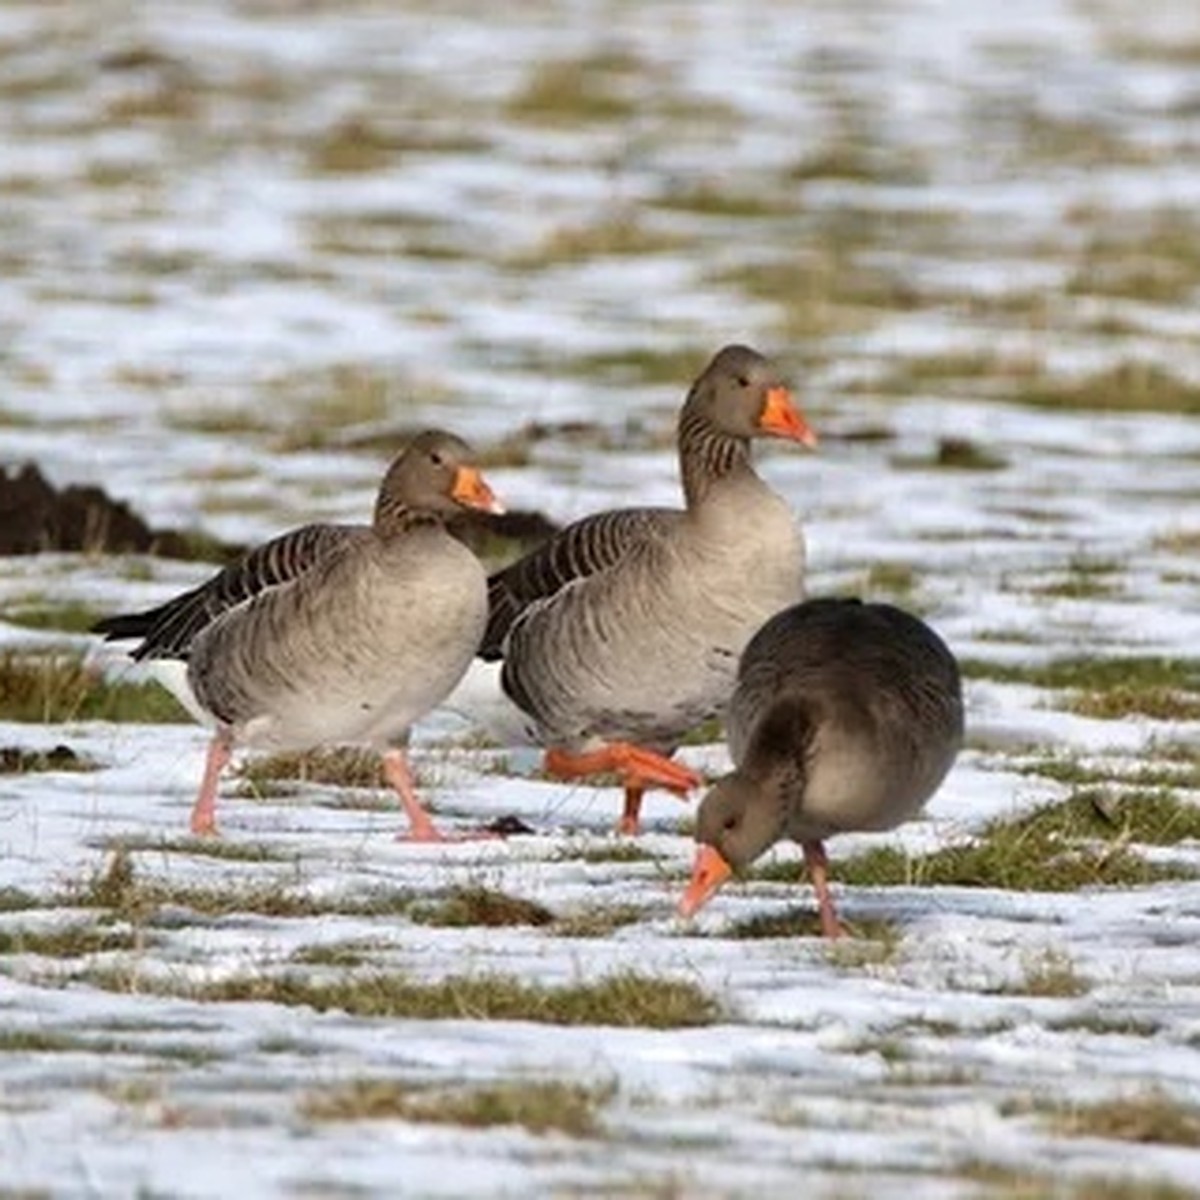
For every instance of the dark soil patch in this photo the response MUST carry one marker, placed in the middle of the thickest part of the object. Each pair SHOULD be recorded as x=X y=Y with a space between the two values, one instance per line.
x=36 y=516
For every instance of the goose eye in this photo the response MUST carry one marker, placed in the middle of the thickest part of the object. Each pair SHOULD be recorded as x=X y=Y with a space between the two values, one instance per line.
x=730 y=824
x=742 y=381
x=436 y=459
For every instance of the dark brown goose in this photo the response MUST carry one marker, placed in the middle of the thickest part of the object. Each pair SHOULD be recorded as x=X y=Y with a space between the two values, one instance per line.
x=333 y=634
x=623 y=631
x=846 y=717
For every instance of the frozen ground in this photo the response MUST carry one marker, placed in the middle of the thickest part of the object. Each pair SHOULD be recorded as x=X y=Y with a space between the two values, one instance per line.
x=244 y=246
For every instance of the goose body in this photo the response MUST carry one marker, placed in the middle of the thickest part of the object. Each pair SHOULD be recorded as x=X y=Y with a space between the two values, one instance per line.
x=623 y=631
x=846 y=717
x=334 y=634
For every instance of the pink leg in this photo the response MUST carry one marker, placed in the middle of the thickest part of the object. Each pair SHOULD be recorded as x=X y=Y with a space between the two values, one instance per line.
x=818 y=872
x=628 y=823
x=420 y=828
x=204 y=811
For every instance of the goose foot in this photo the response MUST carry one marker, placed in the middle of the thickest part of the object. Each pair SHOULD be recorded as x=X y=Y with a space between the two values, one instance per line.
x=639 y=768
x=818 y=871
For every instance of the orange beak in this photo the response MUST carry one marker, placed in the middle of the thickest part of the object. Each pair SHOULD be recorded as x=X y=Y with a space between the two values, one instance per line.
x=471 y=491
x=781 y=417
x=709 y=871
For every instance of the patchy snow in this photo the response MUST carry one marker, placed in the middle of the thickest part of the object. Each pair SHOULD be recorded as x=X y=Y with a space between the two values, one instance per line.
x=153 y=278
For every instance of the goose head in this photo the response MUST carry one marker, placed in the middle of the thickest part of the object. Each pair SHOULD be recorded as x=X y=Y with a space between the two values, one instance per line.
x=435 y=473
x=742 y=394
x=739 y=819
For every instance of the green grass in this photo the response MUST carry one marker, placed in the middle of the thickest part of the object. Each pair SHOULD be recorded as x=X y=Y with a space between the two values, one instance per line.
x=591 y=88
x=204 y=847
x=472 y=905
x=337 y=954
x=65 y=941
x=1131 y=386
x=610 y=235
x=1103 y=1025
x=16 y=900
x=627 y=999
x=73 y=617
x=803 y=922
x=1059 y=848
x=1156 y=770
x=331 y=401
x=618 y=850
x=716 y=200
x=117 y=886
x=89 y=1041
x=53 y=689
x=1052 y=973
x=1108 y=688
x=539 y=1106
x=1151 y=1118
x=1085 y=579
x=1155 y=260
x=343 y=766
x=596 y=920
x=896 y=579
x=641 y=365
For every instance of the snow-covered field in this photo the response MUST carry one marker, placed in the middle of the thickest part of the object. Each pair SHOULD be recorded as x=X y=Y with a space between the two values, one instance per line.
x=245 y=246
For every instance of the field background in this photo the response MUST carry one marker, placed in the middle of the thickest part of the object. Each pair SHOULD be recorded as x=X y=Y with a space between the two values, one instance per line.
x=246 y=247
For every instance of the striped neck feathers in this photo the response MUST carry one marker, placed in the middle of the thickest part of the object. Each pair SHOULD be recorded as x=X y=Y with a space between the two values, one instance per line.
x=393 y=517
x=706 y=454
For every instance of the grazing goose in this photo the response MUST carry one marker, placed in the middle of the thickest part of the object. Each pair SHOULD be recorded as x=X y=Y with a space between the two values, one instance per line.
x=623 y=631
x=334 y=633
x=846 y=717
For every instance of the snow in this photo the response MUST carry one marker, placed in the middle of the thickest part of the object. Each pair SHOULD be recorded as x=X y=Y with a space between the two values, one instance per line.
x=884 y=1075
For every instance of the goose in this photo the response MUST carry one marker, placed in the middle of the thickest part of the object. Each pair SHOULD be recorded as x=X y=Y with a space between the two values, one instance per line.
x=846 y=716
x=333 y=634
x=622 y=632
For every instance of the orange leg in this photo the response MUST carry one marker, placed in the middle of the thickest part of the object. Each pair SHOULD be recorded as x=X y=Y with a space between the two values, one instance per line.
x=204 y=811
x=818 y=872
x=639 y=769
x=628 y=824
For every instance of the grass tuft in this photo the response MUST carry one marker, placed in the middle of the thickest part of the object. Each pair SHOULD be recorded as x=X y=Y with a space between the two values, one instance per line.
x=598 y=920
x=52 y=689
x=476 y=905
x=73 y=617
x=16 y=900
x=591 y=88
x=117 y=887
x=1149 y=1118
x=66 y=941
x=539 y=1106
x=1062 y=847
x=1051 y=973
x=1163 y=688
x=342 y=766
x=626 y=999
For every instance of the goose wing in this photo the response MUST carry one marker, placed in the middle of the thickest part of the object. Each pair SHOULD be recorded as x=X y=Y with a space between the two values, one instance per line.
x=584 y=548
x=168 y=630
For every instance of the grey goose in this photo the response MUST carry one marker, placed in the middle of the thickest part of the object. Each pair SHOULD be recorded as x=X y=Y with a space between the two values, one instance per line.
x=334 y=634
x=846 y=716
x=622 y=632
